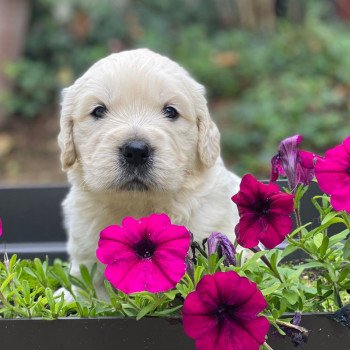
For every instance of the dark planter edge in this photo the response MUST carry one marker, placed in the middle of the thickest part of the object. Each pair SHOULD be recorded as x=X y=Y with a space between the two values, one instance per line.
x=148 y=333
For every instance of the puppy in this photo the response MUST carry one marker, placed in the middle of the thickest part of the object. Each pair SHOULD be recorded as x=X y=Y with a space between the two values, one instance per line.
x=137 y=138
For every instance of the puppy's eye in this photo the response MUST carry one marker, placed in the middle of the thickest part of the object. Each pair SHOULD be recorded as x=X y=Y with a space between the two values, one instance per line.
x=99 y=112
x=170 y=112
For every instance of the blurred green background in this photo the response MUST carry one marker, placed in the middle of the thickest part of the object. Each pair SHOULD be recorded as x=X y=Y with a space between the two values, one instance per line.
x=271 y=68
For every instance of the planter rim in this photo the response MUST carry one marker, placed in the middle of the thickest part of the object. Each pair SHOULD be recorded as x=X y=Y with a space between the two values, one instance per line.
x=174 y=318
x=29 y=186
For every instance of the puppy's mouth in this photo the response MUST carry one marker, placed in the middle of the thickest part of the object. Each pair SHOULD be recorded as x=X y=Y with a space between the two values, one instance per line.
x=135 y=185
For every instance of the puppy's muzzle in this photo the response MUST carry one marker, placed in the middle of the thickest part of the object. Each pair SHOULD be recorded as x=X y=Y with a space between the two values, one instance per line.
x=136 y=152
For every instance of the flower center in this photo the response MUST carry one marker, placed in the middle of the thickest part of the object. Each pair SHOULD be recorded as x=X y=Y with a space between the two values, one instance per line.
x=348 y=170
x=145 y=248
x=262 y=206
x=225 y=311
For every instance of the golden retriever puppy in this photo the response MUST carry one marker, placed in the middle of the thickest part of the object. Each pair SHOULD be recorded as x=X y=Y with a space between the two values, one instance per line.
x=137 y=138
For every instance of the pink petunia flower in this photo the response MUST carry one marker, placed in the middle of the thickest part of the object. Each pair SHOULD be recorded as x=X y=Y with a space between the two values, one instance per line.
x=222 y=313
x=333 y=175
x=144 y=255
x=264 y=213
x=297 y=165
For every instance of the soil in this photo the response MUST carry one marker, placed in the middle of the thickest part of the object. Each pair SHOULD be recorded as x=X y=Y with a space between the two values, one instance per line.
x=29 y=153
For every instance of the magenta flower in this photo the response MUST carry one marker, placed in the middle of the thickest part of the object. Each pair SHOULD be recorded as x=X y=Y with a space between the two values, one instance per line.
x=264 y=213
x=333 y=175
x=296 y=165
x=222 y=313
x=144 y=255
x=219 y=243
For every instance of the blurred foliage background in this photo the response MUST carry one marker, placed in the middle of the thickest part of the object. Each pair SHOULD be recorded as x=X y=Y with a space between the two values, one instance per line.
x=272 y=68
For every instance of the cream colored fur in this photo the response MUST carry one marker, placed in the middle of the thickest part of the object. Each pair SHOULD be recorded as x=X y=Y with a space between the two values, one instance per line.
x=189 y=180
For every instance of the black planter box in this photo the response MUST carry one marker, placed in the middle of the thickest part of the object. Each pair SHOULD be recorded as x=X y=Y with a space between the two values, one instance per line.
x=32 y=221
x=148 y=333
x=32 y=227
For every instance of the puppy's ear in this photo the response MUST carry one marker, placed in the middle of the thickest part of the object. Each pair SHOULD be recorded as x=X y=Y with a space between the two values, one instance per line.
x=65 y=137
x=208 y=136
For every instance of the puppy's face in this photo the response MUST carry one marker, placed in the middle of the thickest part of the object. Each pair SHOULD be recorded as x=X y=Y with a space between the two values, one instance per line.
x=136 y=121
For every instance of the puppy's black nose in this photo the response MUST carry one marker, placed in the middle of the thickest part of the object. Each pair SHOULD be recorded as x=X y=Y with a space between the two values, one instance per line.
x=136 y=152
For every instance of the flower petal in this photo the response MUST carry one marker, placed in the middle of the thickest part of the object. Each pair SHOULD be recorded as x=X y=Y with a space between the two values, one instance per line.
x=135 y=228
x=109 y=250
x=172 y=234
x=252 y=333
x=331 y=175
x=307 y=159
x=210 y=340
x=247 y=230
x=339 y=153
x=340 y=199
x=280 y=226
x=208 y=291
x=276 y=168
x=164 y=260
x=252 y=305
x=136 y=276
x=248 y=186
x=198 y=318
x=281 y=203
x=156 y=222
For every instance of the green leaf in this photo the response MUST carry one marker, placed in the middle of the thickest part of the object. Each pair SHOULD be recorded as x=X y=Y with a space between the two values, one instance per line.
x=301 y=190
x=85 y=275
x=329 y=217
x=318 y=238
x=198 y=272
x=167 y=312
x=30 y=272
x=338 y=237
x=77 y=282
x=301 y=229
x=61 y=275
x=7 y=280
x=324 y=246
x=253 y=259
x=291 y=296
x=40 y=271
x=50 y=300
x=146 y=310
x=271 y=289
x=343 y=274
x=289 y=249
x=212 y=262
x=331 y=272
x=311 y=265
x=12 y=263
x=346 y=250
x=171 y=294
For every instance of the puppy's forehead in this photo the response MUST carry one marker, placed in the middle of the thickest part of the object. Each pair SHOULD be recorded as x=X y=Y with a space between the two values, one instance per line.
x=135 y=73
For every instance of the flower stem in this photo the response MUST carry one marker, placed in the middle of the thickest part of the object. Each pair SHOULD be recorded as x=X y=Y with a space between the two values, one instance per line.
x=293 y=326
x=267 y=263
x=196 y=245
x=298 y=219
x=346 y=220
x=337 y=296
